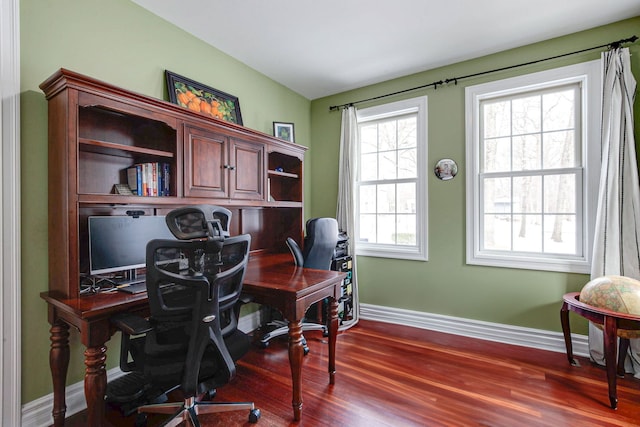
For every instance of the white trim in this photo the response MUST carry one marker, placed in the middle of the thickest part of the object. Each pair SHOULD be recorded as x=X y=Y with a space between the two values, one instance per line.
x=419 y=252
x=507 y=334
x=588 y=75
x=10 y=347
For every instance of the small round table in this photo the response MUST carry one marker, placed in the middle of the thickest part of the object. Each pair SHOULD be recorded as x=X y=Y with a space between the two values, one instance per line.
x=612 y=321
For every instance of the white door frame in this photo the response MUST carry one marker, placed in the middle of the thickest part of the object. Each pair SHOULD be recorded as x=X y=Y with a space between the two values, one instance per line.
x=10 y=347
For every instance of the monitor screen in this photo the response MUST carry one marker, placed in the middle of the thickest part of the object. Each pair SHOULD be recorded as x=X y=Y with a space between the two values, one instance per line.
x=119 y=243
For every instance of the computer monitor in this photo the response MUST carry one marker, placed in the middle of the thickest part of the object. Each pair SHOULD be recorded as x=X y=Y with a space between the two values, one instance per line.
x=119 y=243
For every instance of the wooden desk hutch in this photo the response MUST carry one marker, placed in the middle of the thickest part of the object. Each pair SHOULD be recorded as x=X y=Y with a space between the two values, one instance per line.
x=97 y=131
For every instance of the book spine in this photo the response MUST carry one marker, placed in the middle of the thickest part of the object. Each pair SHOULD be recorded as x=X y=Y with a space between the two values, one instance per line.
x=132 y=179
x=139 y=179
x=166 y=191
x=154 y=179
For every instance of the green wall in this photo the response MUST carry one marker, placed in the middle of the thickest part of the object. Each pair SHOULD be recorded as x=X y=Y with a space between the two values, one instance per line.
x=445 y=284
x=120 y=43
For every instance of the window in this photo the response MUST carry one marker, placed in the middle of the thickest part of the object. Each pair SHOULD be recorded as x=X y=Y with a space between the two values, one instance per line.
x=391 y=181
x=532 y=169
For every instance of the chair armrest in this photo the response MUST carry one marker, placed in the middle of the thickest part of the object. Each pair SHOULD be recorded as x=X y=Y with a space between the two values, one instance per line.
x=131 y=324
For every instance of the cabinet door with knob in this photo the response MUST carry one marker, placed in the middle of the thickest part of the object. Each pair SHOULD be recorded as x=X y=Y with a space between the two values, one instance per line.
x=206 y=159
x=220 y=166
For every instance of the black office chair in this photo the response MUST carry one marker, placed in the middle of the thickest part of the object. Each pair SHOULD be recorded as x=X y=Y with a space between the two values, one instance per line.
x=191 y=340
x=318 y=250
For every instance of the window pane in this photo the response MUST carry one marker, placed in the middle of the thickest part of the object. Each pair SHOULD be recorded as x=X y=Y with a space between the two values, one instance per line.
x=388 y=165
x=496 y=119
x=407 y=132
x=526 y=115
x=497 y=155
x=559 y=110
x=367 y=199
x=559 y=149
x=407 y=197
x=386 y=229
x=527 y=233
x=527 y=152
x=406 y=226
x=497 y=195
x=386 y=198
x=369 y=167
x=387 y=135
x=367 y=232
x=560 y=234
x=560 y=193
x=496 y=233
x=527 y=194
x=407 y=163
x=368 y=138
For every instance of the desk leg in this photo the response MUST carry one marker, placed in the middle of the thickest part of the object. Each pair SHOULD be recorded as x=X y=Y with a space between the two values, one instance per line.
x=296 y=354
x=566 y=330
x=95 y=383
x=59 y=364
x=333 y=334
x=610 y=339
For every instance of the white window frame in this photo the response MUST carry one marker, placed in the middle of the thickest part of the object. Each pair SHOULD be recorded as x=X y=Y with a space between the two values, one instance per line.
x=587 y=74
x=419 y=252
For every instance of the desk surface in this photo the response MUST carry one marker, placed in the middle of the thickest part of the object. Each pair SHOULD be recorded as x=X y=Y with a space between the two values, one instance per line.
x=268 y=276
x=270 y=279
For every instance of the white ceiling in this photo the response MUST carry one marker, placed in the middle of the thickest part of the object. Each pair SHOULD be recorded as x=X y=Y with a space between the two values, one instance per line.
x=323 y=47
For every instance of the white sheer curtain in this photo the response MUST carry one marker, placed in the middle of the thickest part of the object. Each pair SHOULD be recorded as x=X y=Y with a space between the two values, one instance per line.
x=345 y=213
x=616 y=248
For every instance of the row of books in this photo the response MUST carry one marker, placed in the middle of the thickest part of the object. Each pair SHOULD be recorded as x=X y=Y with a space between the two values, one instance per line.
x=149 y=179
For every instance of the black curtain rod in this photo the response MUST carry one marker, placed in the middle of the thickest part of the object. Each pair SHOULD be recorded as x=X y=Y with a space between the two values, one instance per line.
x=612 y=45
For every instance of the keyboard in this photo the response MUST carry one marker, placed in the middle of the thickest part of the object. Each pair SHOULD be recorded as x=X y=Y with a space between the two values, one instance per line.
x=133 y=288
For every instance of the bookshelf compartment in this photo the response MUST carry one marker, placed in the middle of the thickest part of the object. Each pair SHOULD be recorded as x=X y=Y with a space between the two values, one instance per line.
x=101 y=127
x=284 y=178
x=111 y=141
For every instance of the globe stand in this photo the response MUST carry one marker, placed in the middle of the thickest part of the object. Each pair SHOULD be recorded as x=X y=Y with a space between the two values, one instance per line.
x=614 y=324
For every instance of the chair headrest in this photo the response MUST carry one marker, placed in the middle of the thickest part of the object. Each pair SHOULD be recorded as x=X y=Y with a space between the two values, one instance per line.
x=199 y=222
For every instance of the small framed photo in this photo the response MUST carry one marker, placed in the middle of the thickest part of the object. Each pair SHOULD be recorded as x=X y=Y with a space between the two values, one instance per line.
x=203 y=99
x=283 y=131
x=445 y=169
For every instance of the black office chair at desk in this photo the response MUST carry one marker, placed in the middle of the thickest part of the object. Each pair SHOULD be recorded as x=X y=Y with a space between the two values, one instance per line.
x=191 y=340
x=318 y=249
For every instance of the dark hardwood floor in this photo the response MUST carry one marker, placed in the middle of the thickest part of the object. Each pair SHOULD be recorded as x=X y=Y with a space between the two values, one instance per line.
x=390 y=375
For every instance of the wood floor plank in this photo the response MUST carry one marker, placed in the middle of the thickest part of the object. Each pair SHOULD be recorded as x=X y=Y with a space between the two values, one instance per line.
x=389 y=375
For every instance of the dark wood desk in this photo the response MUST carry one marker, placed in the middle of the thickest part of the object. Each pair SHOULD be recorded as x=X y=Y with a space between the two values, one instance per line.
x=612 y=323
x=270 y=279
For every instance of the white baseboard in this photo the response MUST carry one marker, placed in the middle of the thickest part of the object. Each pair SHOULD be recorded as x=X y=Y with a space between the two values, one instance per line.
x=507 y=334
x=37 y=413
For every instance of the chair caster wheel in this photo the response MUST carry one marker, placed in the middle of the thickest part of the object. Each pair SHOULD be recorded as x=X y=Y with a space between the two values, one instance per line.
x=305 y=350
x=211 y=394
x=254 y=415
x=263 y=344
x=141 y=420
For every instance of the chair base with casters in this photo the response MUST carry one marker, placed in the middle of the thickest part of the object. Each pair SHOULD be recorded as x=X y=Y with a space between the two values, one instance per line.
x=190 y=408
x=282 y=328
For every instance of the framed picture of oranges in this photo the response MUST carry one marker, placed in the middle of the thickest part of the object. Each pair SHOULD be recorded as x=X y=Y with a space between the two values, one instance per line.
x=203 y=99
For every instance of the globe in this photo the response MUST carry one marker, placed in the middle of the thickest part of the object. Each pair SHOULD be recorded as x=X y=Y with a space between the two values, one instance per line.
x=616 y=293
